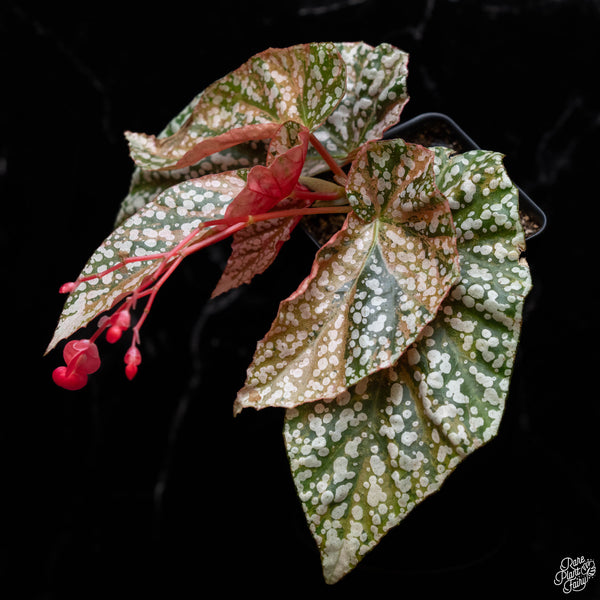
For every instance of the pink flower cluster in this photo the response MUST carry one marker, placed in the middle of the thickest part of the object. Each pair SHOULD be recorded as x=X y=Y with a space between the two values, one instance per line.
x=265 y=188
x=82 y=357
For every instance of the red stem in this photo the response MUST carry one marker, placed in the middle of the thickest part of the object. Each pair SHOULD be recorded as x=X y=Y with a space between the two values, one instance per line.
x=300 y=212
x=274 y=214
x=153 y=292
x=133 y=259
x=152 y=286
x=124 y=262
x=155 y=282
x=161 y=276
x=317 y=196
x=339 y=175
x=217 y=237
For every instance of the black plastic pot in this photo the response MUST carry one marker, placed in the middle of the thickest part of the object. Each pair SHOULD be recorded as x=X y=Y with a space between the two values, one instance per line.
x=437 y=129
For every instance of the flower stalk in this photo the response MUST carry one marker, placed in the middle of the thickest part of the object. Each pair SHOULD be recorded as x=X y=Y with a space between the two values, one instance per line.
x=74 y=376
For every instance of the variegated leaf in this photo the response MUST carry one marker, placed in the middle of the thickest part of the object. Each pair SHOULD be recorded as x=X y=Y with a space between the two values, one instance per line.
x=148 y=184
x=363 y=460
x=156 y=228
x=371 y=290
x=375 y=96
x=302 y=83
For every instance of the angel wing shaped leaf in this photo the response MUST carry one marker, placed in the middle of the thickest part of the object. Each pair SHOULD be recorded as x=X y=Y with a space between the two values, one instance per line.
x=372 y=288
x=363 y=460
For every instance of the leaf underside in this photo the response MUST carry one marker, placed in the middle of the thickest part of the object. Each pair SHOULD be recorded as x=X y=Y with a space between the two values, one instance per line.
x=371 y=290
x=363 y=460
x=254 y=248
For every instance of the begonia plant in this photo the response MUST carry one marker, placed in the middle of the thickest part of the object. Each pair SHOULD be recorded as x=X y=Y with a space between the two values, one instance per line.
x=393 y=357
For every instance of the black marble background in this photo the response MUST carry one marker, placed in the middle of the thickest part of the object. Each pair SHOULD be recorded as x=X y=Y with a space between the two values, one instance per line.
x=151 y=489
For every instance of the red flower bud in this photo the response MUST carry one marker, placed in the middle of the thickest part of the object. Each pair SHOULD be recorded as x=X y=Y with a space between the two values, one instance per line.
x=69 y=379
x=130 y=371
x=113 y=334
x=133 y=358
x=67 y=288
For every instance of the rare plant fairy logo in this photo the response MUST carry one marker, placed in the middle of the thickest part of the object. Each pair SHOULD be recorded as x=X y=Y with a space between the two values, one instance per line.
x=574 y=573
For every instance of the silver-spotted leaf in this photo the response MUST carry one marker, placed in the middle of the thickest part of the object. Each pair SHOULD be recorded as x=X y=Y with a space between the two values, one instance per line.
x=363 y=460
x=303 y=83
x=156 y=228
x=372 y=288
x=146 y=185
x=374 y=99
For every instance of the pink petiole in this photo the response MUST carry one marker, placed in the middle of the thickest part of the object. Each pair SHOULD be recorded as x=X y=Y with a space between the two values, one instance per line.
x=338 y=173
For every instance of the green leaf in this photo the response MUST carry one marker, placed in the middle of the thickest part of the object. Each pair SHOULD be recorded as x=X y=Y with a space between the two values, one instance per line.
x=362 y=461
x=156 y=228
x=375 y=96
x=371 y=290
x=302 y=83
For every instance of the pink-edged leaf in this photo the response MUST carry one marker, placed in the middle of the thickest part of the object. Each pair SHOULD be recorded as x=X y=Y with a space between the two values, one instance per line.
x=155 y=229
x=255 y=248
x=146 y=185
x=372 y=288
x=303 y=83
x=267 y=186
x=157 y=154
